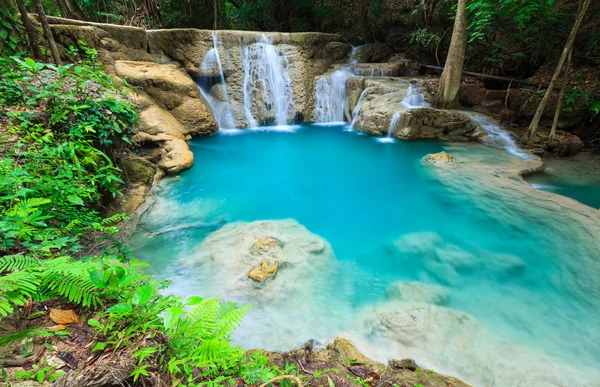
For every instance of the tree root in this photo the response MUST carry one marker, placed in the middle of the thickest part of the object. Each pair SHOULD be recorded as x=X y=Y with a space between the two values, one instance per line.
x=282 y=377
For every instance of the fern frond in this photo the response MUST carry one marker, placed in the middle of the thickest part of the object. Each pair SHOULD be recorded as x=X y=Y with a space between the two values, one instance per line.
x=17 y=262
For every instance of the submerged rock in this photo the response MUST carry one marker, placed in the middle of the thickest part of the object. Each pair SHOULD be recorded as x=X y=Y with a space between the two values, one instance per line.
x=441 y=158
x=419 y=292
x=300 y=257
x=448 y=263
x=263 y=271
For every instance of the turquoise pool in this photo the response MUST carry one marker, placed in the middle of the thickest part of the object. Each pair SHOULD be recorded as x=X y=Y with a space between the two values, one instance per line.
x=388 y=217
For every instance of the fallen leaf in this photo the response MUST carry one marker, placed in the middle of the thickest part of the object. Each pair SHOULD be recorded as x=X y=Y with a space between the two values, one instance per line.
x=60 y=316
x=59 y=327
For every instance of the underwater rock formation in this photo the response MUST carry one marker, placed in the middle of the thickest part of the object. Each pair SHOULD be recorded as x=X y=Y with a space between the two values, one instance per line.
x=448 y=263
x=433 y=333
x=237 y=248
x=418 y=292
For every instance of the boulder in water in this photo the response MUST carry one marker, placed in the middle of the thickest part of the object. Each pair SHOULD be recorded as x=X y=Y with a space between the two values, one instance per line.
x=301 y=257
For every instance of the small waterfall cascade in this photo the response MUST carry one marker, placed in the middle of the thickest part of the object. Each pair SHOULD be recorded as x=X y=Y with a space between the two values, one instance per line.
x=496 y=136
x=330 y=98
x=219 y=104
x=393 y=123
x=266 y=77
x=353 y=59
x=414 y=98
x=356 y=110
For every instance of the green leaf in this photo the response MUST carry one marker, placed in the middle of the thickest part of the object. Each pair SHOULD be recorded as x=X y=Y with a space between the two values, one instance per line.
x=128 y=279
x=74 y=199
x=94 y=323
x=100 y=346
x=97 y=278
x=171 y=317
x=142 y=295
x=121 y=308
x=4 y=34
x=330 y=382
x=193 y=300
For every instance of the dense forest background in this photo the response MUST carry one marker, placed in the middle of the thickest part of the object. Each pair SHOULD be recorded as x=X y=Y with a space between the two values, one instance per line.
x=506 y=37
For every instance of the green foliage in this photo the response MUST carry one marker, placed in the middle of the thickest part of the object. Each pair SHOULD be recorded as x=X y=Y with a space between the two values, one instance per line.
x=39 y=374
x=11 y=31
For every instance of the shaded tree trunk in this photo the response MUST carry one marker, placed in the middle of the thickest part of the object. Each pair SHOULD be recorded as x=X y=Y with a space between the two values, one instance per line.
x=30 y=30
x=447 y=96
x=42 y=15
x=364 y=21
x=540 y=109
x=565 y=80
x=67 y=9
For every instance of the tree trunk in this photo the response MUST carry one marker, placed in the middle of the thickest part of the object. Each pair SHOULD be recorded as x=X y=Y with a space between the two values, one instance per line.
x=42 y=15
x=31 y=33
x=364 y=21
x=540 y=109
x=565 y=80
x=447 y=97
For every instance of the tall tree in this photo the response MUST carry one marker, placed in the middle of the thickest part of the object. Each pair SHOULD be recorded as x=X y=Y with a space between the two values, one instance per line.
x=42 y=15
x=447 y=96
x=30 y=30
x=565 y=80
x=563 y=57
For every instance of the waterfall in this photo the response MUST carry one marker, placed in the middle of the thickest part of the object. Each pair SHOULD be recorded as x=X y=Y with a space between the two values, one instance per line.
x=393 y=123
x=266 y=75
x=331 y=100
x=220 y=107
x=353 y=59
x=496 y=136
x=414 y=98
x=356 y=109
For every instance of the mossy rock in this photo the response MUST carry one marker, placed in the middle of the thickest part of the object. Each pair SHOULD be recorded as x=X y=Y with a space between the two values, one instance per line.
x=137 y=169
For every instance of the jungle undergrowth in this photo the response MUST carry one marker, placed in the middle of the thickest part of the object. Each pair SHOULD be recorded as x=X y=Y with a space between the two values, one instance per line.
x=59 y=126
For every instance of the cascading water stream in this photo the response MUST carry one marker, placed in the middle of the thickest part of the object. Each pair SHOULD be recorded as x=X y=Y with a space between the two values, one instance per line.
x=497 y=136
x=331 y=101
x=266 y=72
x=356 y=110
x=221 y=108
x=414 y=98
x=393 y=123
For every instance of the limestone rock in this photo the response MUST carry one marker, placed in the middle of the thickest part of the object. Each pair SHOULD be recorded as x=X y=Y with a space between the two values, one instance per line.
x=300 y=257
x=333 y=50
x=166 y=83
x=196 y=117
x=137 y=169
x=441 y=158
x=418 y=292
x=372 y=53
x=263 y=271
x=133 y=197
x=265 y=244
x=156 y=120
x=447 y=263
x=177 y=155
x=404 y=364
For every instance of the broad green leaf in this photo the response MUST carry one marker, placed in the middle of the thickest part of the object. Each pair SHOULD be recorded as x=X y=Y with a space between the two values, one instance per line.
x=121 y=308
x=171 y=317
x=142 y=295
x=193 y=300
x=97 y=278
x=74 y=199
x=94 y=323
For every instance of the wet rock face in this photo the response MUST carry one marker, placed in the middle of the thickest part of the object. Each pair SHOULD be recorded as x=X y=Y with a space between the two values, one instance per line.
x=372 y=53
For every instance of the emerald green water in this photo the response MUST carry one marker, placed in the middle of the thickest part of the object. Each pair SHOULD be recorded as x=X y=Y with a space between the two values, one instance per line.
x=362 y=196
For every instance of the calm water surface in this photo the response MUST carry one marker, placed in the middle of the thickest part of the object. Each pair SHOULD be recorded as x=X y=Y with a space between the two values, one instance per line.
x=361 y=195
